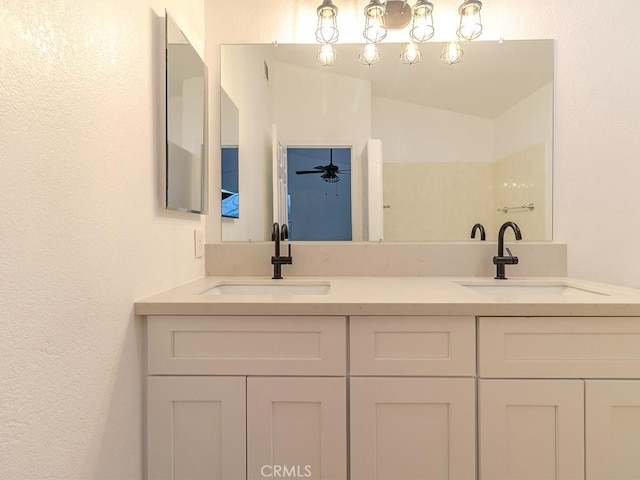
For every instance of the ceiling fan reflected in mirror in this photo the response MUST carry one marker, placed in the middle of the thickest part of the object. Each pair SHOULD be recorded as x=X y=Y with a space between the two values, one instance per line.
x=329 y=172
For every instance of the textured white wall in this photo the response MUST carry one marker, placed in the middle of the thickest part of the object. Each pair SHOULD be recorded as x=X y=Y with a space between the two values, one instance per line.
x=81 y=234
x=597 y=107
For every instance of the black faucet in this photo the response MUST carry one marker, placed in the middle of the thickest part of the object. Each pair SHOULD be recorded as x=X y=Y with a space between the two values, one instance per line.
x=500 y=260
x=277 y=261
x=478 y=226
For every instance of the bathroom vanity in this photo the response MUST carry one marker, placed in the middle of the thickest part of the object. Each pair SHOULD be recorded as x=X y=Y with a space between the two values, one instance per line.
x=413 y=377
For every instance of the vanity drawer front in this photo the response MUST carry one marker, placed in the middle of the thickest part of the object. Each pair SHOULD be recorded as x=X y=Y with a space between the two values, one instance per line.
x=559 y=347
x=247 y=345
x=413 y=345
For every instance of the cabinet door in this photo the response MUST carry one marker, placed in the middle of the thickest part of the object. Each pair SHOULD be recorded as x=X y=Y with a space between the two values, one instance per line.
x=531 y=429
x=408 y=428
x=296 y=428
x=196 y=428
x=613 y=429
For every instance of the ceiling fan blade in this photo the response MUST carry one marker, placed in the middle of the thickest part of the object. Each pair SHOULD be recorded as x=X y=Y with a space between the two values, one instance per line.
x=329 y=172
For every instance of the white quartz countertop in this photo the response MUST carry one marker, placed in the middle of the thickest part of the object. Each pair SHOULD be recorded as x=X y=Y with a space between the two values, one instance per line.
x=400 y=296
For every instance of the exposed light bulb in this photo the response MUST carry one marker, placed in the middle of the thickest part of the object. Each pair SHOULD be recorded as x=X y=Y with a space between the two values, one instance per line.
x=470 y=22
x=374 y=29
x=327 y=31
x=410 y=53
x=422 y=29
x=369 y=54
x=451 y=53
x=327 y=54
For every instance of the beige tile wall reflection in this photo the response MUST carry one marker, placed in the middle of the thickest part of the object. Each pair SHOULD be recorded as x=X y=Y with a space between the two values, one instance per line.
x=430 y=201
x=436 y=201
x=519 y=179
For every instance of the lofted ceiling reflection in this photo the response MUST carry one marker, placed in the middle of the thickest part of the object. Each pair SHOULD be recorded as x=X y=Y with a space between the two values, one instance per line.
x=491 y=78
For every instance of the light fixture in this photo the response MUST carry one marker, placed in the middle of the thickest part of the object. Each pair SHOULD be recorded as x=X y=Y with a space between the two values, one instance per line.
x=451 y=53
x=410 y=53
x=369 y=54
x=470 y=22
x=374 y=28
x=330 y=178
x=422 y=29
x=327 y=54
x=327 y=31
x=383 y=15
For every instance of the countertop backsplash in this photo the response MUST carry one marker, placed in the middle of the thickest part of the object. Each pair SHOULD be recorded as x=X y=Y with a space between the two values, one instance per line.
x=468 y=259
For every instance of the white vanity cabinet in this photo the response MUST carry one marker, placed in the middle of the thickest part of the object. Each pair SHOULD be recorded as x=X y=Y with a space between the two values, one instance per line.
x=246 y=397
x=412 y=397
x=373 y=397
x=559 y=397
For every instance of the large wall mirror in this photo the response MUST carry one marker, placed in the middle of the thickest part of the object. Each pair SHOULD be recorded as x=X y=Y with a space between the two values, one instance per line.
x=186 y=161
x=431 y=149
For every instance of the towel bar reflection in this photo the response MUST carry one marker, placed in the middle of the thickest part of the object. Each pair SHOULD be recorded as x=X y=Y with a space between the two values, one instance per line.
x=529 y=207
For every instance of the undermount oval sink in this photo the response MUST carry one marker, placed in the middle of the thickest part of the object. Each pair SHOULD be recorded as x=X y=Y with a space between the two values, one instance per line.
x=546 y=289
x=277 y=287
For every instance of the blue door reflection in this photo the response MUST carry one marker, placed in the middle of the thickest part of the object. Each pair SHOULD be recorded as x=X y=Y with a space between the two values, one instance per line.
x=230 y=201
x=319 y=194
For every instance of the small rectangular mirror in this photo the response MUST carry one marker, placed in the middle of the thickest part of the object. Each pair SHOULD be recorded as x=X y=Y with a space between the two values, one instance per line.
x=186 y=163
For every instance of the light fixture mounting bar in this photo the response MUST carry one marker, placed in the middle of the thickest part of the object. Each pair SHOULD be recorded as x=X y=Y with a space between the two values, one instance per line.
x=397 y=14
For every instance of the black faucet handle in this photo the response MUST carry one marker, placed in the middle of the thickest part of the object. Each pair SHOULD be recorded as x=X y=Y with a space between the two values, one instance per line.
x=509 y=252
x=510 y=260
